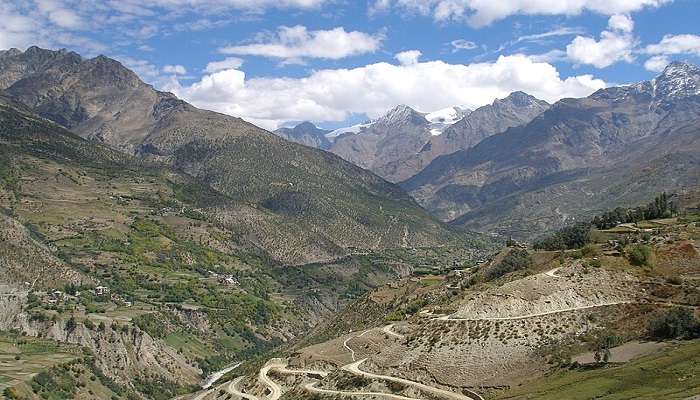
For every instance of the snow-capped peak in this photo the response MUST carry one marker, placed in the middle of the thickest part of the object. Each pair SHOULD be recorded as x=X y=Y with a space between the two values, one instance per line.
x=448 y=115
x=354 y=129
x=679 y=79
x=441 y=119
x=401 y=114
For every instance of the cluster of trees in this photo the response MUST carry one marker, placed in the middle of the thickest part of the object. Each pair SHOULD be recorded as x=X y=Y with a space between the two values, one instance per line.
x=661 y=207
x=570 y=237
x=677 y=323
x=516 y=260
x=578 y=235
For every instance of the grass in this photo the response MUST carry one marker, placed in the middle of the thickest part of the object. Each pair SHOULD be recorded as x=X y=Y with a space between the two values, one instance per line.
x=189 y=344
x=672 y=374
x=35 y=355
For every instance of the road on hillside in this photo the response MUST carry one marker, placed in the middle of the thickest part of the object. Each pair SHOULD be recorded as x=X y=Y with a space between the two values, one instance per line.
x=233 y=389
x=354 y=368
x=526 y=316
x=275 y=389
x=311 y=388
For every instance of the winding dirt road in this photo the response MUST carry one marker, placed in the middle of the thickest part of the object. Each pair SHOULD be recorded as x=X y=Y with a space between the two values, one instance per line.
x=354 y=368
x=233 y=389
x=345 y=343
x=311 y=388
x=389 y=331
x=275 y=389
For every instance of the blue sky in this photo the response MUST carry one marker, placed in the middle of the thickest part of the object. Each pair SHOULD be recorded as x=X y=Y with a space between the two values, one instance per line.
x=337 y=62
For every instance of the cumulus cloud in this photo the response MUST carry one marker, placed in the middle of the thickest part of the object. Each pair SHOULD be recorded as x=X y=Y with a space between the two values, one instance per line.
x=294 y=43
x=621 y=23
x=550 y=56
x=484 y=12
x=334 y=94
x=174 y=69
x=227 y=63
x=615 y=45
x=676 y=44
x=656 y=63
x=409 y=57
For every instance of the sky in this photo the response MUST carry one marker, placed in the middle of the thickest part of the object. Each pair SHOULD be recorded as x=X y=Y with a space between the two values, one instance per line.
x=339 y=62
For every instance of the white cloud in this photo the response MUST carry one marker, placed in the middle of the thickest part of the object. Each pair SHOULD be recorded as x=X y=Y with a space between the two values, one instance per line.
x=333 y=94
x=409 y=57
x=297 y=42
x=551 y=56
x=46 y=25
x=657 y=63
x=175 y=69
x=378 y=6
x=676 y=44
x=60 y=16
x=66 y=23
x=615 y=45
x=564 y=31
x=622 y=23
x=483 y=12
x=462 y=44
x=227 y=63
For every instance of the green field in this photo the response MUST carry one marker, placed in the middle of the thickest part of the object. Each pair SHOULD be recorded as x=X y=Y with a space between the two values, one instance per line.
x=671 y=374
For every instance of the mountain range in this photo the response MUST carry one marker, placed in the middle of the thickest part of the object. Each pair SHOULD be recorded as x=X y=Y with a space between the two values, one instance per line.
x=572 y=159
x=298 y=203
x=617 y=146
x=402 y=142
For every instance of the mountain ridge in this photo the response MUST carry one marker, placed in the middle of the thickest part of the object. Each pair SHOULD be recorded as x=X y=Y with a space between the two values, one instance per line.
x=326 y=204
x=574 y=141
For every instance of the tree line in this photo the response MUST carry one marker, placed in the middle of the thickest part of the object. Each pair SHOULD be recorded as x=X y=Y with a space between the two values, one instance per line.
x=578 y=235
x=661 y=207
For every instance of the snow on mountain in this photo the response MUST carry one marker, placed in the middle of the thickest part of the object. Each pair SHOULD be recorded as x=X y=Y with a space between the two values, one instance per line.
x=678 y=80
x=445 y=117
x=354 y=129
x=438 y=120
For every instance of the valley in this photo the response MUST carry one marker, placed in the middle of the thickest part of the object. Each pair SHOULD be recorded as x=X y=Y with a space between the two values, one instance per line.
x=525 y=249
x=516 y=336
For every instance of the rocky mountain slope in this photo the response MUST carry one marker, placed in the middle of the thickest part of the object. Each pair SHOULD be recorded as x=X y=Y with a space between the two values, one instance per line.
x=189 y=288
x=476 y=334
x=300 y=204
x=307 y=134
x=404 y=141
x=617 y=146
x=386 y=142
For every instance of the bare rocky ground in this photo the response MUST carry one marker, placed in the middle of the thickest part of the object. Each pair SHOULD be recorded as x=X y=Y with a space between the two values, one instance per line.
x=500 y=334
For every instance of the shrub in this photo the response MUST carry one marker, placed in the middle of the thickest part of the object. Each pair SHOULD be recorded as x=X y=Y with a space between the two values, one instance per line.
x=589 y=250
x=10 y=393
x=679 y=322
x=640 y=255
x=603 y=345
x=71 y=324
